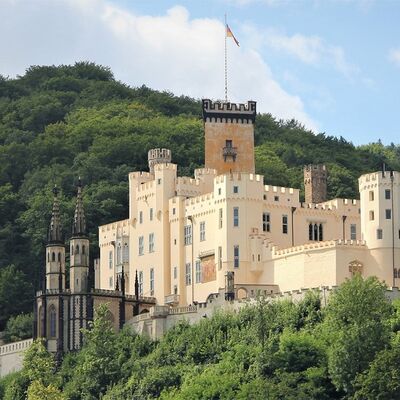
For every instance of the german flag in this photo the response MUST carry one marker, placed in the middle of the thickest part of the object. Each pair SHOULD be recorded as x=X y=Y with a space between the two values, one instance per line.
x=230 y=34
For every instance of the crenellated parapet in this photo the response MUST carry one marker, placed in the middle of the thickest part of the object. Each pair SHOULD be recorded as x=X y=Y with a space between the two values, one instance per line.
x=229 y=112
x=158 y=156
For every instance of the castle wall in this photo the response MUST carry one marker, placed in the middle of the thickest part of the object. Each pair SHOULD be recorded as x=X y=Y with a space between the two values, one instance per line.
x=11 y=356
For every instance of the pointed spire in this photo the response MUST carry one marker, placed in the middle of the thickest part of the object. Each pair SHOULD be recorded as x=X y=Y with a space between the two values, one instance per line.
x=79 y=224
x=55 y=229
x=136 y=286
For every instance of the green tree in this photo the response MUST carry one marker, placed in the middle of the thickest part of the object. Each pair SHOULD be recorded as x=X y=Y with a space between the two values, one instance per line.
x=19 y=328
x=357 y=328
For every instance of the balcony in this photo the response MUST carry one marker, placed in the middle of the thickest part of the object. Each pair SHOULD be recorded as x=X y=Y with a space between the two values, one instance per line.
x=229 y=151
x=172 y=299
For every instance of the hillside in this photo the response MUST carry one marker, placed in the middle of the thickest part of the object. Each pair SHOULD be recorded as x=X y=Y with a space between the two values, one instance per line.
x=58 y=123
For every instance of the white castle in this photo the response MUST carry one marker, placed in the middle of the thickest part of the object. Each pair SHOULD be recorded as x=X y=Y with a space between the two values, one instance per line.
x=227 y=231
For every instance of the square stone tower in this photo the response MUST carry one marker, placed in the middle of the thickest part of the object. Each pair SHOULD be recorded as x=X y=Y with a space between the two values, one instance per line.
x=315 y=183
x=229 y=136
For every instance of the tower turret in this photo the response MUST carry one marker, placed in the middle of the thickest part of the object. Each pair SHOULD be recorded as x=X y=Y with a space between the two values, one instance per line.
x=158 y=156
x=55 y=249
x=315 y=183
x=79 y=248
x=229 y=136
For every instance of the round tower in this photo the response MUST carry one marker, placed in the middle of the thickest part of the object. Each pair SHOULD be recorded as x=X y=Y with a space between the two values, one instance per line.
x=380 y=221
x=55 y=249
x=315 y=183
x=79 y=248
x=158 y=156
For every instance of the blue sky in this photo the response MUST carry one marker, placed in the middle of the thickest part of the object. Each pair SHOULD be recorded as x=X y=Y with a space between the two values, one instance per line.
x=334 y=65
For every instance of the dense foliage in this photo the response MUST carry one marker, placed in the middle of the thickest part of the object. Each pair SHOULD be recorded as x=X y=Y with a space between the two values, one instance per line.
x=272 y=349
x=59 y=123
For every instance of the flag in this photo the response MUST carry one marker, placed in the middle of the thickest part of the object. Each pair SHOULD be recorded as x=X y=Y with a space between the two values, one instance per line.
x=230 y=34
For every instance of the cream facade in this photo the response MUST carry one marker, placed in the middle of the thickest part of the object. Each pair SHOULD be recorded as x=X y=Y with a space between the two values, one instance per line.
x=227 y=230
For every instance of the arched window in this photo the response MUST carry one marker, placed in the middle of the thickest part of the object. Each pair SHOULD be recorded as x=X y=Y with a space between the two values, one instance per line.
x=83 y=249
x=320 y=233
x=53 y=321
x=72 y=249
x=48 y=256
x=310 y=232
x=315 y=232
x=59 y=257
x=77 y=249
x=53 y=256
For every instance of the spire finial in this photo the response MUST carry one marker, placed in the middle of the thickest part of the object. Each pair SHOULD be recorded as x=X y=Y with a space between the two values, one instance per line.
x=79 y=224
x=55 y=230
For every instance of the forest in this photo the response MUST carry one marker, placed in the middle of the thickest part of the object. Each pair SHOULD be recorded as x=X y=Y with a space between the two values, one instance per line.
x=269 y=350
x=58 y=123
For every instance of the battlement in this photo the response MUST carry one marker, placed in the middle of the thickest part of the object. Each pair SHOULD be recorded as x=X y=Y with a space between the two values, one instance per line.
x=165 y=166
x=198 y=172
x=114 y=225
x=140 y=175
x=279 y=189
x=382 y=177
x=238 y=176
x=229 y=112
x=315 y=168
x=199 y=199
x=158 y=156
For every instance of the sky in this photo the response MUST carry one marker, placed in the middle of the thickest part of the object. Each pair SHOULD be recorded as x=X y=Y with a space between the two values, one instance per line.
x=334 y=65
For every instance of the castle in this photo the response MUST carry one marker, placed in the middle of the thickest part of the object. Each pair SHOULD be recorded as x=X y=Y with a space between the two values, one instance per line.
x=225 y=231
x=190 y=245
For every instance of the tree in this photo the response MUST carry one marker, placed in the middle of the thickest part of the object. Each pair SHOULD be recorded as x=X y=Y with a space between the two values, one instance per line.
x=12 y=283
x=357 y=328
x=38 y=391
x=19 y=328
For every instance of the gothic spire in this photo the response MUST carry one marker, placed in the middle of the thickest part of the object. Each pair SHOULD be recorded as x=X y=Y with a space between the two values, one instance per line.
x=55 y=229
x=79 y=224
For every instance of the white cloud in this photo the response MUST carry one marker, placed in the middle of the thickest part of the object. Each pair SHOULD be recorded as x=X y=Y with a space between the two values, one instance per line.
x=311 y=50
x=394 y=56
x=171 y=51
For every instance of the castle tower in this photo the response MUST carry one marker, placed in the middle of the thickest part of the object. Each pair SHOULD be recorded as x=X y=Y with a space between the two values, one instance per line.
x=380 y=221
x=315 y=183
x=229 y=136
x=79 y=245
x=158 y=156
x=55 y=250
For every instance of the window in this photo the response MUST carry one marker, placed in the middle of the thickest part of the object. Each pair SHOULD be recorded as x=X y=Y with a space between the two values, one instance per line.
x=173 y=211
x=151 y=281
x=175 y=289
x=83 y=249
x=387 y=194
x=151 y=214
x=140 y=280
x=219 y=257
x=159 y=181
x=236 y=189
x=276 y=198
x=119 y=254
x=316 y=232
x=198 y=271
x=188 y=276
x=202 y=231
x=151 y=242
x=228 y=143
x=236 y=256
x=284 y=224
x=353 y=231
x=110 y=259
x=53 y=322
x=219 y=191
x=188 y=235
x=175 y=272
x=388 y=214
x=53 y=256
x=220 y=215
x=110 y=282
x=379 y=234
x=235 y=216
x=371 y=195
x=266 y=219
x=141 y=245
x=371 y=215
x=125 y=253
x=72 y=252
x=59 y=255
x=141 y=217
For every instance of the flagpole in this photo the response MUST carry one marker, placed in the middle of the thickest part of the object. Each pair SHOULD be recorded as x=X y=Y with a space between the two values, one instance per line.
x=226 y=66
